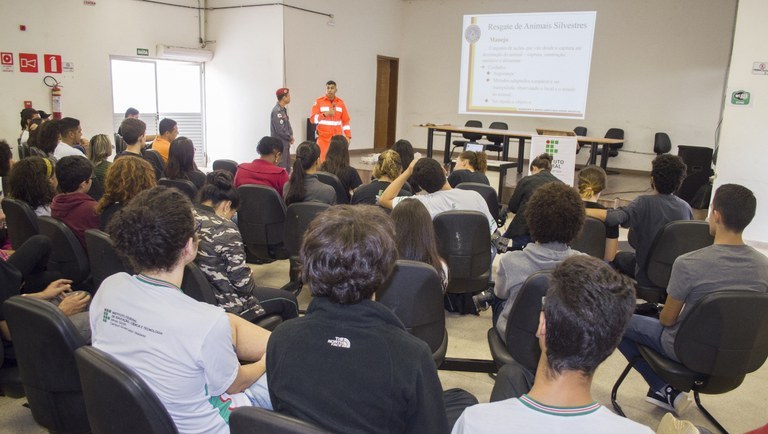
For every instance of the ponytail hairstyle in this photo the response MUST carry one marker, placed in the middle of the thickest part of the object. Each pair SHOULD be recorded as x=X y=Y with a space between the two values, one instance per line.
x=218 y=188
x=306 y=155
x=591 y=181
x=477 y=160
x=388 y=165
x=543 y=162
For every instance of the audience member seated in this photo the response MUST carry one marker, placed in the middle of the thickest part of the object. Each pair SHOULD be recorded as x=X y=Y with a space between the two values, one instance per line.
x=415 y=237
x=27 y=114
x=73 y=206
x=134 y=113
x=727 y=265
x=264 y=170
x=574 y=341
x=6 y=160
x=71 y=141
x=186 y=351
x=349 y=365
x=24 y=272
x=645 y=215
x=221 y=255
x=388 y=167
x=337 y=162
x=33 y=180
x=555 y=215
x=99 y=151
x=181 y=162
x=518 y=231
x=169 y=130
x=303 y=185
x=127 y=177
x=430 y=176
x=134 y=131
x=34 y=130
x=405 y=150
x=592 y=181
x=470 y=167
x=47 y=138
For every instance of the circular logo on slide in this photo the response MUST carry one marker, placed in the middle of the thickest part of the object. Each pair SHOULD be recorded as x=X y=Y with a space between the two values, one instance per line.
x=472 y=33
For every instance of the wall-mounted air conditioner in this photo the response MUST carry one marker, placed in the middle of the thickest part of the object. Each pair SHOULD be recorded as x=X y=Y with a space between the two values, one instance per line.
x=182 y=53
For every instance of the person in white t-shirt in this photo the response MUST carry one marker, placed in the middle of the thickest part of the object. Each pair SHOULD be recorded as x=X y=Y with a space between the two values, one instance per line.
x=574 y=341
x=71 y=140
x=188 y=352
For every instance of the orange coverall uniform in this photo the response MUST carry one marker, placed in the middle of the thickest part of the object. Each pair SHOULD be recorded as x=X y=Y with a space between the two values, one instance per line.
x=328 y=126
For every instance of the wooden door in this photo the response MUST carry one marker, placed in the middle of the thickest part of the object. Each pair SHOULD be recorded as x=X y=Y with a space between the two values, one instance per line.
x=385 y=125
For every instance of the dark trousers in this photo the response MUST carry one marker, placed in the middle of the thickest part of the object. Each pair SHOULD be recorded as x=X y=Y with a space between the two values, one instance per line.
x=456 y=401
x=512 y=381
x=625 y=262
x=277 y=302
x=31 y=259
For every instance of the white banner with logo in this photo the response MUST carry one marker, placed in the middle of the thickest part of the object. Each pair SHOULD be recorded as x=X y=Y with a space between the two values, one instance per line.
x=563 y=152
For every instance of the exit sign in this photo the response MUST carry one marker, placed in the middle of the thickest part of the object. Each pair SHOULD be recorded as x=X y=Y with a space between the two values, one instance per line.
x=142 y=51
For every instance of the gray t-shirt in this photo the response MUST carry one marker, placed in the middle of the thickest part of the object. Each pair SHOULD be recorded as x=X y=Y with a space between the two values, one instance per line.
x=315 y=190
x=715 y=268
x=454 y=199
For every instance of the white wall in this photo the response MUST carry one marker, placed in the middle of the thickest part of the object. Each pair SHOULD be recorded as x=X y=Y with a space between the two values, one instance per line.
x=744 y=134
x=87 y=36
x=657 y=66
x=242 y=78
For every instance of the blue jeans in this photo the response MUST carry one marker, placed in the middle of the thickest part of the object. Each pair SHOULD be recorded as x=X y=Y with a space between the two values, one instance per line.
x=645 y=331
x=258 y=393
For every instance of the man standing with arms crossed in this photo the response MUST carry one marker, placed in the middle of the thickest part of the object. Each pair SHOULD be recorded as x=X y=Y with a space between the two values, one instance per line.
x=280 y=126
x=331 y=117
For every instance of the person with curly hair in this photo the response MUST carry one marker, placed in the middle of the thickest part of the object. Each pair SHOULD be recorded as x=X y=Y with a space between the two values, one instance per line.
x=555 y=215
x=181 y=162
x=470 y=167
x=337 y=163
x=126 y=178
x=33 y=180
x=388 y=168
x=48 y=137
x=645 y=215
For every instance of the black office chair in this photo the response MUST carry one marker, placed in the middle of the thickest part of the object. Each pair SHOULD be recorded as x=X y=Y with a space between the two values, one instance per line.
x=661 y=143
x=120 y=144
x=414 y=293
x=297 y=217
x=23 y=151
x=228 y=165
x=464 y=242
x=674 y=239
x=591 y=239
x=613 y=149
x=580 y=131
x=183 y=185
x=468 y=137
x=67 y=256
x=117 y=399
x=497 y=140
x=499 y=212
x=522 y=345
x=255 y=420
x=44 y=341
x=103 y=257
x=261 y=220
x=723 y=338
x=21 y=221
x=342 y=195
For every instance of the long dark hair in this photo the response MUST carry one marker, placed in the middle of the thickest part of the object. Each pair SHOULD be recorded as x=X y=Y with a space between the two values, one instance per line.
x=181 y=159
x=30 y=181
x=306 y=155
x=415 y=235
x=48 y=136
x=337 y=158
x=405 y=150
x=219 y=187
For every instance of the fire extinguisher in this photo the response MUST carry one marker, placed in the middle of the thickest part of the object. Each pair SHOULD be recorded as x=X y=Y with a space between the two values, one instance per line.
x=55 y=95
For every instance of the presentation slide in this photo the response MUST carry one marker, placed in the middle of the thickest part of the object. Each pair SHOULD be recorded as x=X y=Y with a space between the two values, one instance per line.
x=534 y=64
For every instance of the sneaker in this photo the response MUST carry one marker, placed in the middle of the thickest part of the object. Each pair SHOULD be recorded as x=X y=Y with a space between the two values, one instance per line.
x=672 y=399
x=671 y=425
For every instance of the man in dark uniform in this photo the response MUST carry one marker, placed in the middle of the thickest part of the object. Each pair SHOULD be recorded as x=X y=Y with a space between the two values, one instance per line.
x=280 y=126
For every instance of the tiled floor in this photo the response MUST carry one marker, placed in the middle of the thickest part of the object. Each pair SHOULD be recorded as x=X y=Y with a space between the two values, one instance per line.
x=739 y=410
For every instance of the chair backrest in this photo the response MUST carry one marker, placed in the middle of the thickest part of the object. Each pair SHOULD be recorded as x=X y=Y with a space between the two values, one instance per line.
x=523 y=320
x=725 y=334
x=103 y=256
x=117 y=399
x=255 y=420
x=67 y=256
x=473 y=137
x=228 y=165
x=691 y=185
x=464 y=242
x=297 y=218
x=183 y=185
x=488 y=193
x=615 y=133
x=196 y=285
x=495 y=138
x=45 y=341
x=591 y=239
x=675 y=239
x=342 y=195
x=414 y=294
x=580 y=131
x=696 y=158
x=261 y=220
x=661 y=143
x=21 y=221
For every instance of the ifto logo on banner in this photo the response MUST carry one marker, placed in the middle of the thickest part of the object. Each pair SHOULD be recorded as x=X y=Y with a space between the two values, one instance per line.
x=563 y=152
x=27 y=62
x=52 y=63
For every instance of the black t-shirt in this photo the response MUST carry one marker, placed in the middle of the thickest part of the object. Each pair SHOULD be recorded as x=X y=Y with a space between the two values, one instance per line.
x=366 y=194
x=611 y=232
x=462 y=175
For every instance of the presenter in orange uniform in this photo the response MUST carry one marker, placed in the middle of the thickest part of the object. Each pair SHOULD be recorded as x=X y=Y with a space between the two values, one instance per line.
x=331 y=117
